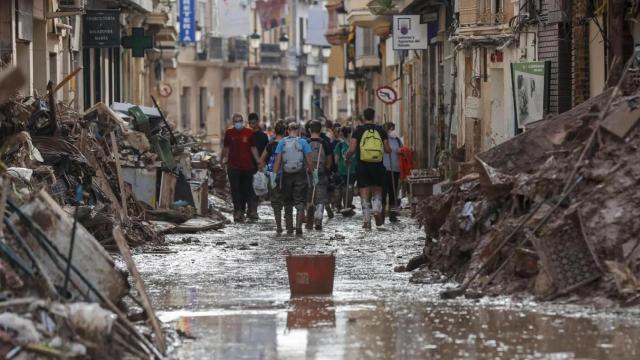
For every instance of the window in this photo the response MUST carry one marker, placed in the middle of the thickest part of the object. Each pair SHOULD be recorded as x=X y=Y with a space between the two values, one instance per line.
x=366 y=42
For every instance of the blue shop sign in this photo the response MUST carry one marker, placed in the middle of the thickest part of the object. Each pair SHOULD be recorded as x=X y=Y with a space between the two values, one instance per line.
x=187 y=21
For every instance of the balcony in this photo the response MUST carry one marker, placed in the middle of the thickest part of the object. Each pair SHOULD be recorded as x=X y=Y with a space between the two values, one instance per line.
x=336 y=34
x=483 y=13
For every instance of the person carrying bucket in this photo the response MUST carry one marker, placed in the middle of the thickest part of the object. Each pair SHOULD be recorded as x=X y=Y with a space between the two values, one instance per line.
x=391 y=163
x=370 y=142
x=267 y=161
x=321 y=157
x=293 y=157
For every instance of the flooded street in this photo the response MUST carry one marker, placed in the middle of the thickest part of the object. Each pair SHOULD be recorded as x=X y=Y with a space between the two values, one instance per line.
x=229 y=291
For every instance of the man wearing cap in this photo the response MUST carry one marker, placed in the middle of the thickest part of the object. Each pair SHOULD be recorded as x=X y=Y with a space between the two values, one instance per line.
x=240 y=155
x=293 y=155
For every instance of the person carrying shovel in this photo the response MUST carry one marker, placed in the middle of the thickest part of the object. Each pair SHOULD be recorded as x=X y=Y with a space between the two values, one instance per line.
x=321 y=157
x=293 y=156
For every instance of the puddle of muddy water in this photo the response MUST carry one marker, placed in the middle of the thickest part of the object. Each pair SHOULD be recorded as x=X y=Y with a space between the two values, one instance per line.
x=230 y=291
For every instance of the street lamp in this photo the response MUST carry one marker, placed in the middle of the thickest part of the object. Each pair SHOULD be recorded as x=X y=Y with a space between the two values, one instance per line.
x=326 y=51
x=306 y=49
x=342 y=15
x=284 y=42
x=254 y=40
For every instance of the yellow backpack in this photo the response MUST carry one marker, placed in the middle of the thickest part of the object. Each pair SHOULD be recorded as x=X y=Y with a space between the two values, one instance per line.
x=371 y=146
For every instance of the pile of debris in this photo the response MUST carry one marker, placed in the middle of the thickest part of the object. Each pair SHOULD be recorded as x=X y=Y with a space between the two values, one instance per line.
x=72 y=187
x=125 y=161
x=552 y=212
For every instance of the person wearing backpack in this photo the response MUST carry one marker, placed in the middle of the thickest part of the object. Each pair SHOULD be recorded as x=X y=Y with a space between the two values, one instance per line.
x=369 y=143
x=392 y=177
x=293 y=157
x=346 y=173
x=321 y=157
x=240 y=155
x=267 y=161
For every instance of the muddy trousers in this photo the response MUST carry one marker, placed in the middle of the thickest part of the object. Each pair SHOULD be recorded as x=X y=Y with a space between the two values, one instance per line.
x=389 y=194
x=293 y=187
x=241 y=183
x=275 y=195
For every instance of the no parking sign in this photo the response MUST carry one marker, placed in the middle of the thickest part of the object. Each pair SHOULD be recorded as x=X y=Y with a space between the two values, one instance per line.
x=387 y=95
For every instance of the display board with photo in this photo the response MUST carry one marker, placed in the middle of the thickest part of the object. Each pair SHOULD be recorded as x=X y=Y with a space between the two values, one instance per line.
x=530 y=81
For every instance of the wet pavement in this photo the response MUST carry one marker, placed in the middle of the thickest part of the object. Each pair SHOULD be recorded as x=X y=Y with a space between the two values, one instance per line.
x=229 y=291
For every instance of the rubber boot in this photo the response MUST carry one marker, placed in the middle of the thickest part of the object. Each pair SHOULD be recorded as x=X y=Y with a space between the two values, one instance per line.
x=318 y=216
x=299 y=220
x=366 y=214
x=393 y=217
x=329 y=211
x=277 y=213
x=376 y=205
x=288 y=219
x=308 y=219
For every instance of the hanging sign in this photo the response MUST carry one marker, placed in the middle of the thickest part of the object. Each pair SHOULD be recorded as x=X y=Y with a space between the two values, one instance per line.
x=409 y=33
x=187 y=15
x=387 y=95
x=101 y=29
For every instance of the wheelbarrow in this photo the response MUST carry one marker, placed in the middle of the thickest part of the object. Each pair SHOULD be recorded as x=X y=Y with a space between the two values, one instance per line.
x=311 y=274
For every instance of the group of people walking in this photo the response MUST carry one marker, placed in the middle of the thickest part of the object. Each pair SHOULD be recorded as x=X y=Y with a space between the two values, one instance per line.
x=314 y=170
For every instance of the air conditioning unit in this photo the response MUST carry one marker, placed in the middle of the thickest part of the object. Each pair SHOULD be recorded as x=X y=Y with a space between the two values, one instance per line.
x=217 y=48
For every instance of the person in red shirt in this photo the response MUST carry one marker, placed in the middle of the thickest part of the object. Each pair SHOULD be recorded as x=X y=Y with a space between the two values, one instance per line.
x=240 y=155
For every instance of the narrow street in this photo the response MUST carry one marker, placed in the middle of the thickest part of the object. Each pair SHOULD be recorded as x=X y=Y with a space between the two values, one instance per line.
x=228 y=290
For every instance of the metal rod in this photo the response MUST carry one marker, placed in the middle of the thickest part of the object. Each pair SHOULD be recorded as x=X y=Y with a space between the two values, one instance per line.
x=73 y=238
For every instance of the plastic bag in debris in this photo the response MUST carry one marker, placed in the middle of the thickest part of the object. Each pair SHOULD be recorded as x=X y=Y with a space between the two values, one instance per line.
x=89 y=318
x=467 y=216
x=71 y=348
x=23 y=174
x=24 y=328
x=260 y=184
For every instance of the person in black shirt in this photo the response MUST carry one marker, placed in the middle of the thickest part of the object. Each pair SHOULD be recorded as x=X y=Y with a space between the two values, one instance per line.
x=322 y=155
x=370 y=143
x=261 y=143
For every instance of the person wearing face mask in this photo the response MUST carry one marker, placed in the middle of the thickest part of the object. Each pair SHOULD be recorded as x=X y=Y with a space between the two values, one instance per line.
x=392 y=165
x=261 y=140
x=240 y=156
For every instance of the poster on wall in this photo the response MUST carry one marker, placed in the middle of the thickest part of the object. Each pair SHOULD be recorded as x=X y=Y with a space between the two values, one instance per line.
x=530 y=83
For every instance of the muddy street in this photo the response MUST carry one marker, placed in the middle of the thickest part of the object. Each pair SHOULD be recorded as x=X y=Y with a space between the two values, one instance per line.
x=228 y=292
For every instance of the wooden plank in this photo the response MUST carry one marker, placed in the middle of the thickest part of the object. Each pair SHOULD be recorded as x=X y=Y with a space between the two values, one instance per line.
x=64 y=81
x=167 y=190
x=4 y=190
x=118 y=236
x=123 y=194
x=89 y=257
x=103 y=183
x=620 y=123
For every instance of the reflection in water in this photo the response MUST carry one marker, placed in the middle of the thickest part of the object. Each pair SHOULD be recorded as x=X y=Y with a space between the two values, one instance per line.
x=309 y=312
